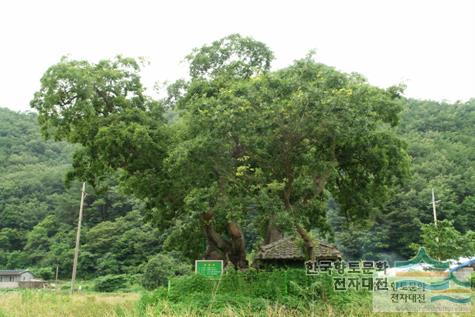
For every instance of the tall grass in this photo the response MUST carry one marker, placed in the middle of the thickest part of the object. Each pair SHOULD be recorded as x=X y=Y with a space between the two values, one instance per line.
x=52 y=304
x=44 y=303
x=277 y=293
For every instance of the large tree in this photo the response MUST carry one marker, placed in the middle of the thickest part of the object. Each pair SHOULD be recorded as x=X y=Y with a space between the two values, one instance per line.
x=217 y=130
x=283 y=142
x=248 y=146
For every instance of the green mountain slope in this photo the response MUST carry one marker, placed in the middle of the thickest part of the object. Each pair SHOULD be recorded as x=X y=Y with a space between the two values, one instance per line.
x=441 y=142
x=38 y=213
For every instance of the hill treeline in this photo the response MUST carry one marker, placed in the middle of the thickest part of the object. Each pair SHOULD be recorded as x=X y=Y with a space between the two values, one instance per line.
x=441 y=142
x=38 y=212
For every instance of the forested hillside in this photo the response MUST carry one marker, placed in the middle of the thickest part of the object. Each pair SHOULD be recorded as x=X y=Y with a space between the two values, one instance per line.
x=38 y=212
x=441 y=142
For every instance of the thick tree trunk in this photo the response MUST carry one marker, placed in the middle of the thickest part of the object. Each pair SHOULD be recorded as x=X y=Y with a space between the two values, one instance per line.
x=237 y=253
x=308 y=242
x=212 y=251
x=273 y=232
x=218 y=248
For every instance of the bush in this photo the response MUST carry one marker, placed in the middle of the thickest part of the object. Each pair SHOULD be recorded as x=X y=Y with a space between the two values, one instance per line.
x=161 y=268
x=151 y=299
x=45 y=273
x=254 y=290
x=110 y=283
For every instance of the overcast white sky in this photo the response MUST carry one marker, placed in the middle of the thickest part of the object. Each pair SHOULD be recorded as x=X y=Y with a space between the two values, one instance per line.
x=427 y=44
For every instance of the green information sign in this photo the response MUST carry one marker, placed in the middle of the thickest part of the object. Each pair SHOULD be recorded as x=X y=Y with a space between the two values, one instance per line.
x=209 y=268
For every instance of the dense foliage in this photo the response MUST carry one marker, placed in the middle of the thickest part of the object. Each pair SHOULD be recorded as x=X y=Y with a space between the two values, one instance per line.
x=110 y=283
x=38 y=214
x=256 y=291
x=445 y=242
x=250 y=146
x=441 y=143
x=162 y=267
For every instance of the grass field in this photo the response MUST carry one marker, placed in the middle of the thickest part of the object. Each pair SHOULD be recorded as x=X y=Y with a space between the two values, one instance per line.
x=36 y=303
x=44 y=303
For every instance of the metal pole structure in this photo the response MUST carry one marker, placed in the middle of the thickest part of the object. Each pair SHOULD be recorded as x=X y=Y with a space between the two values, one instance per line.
x=78 y=237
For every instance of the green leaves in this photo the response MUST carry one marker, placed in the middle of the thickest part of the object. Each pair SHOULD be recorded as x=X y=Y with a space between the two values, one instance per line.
x=161 y=268
x=445 y=242
x=103 y=108
x=231 y=57
x=330 y=131
x=75 y=96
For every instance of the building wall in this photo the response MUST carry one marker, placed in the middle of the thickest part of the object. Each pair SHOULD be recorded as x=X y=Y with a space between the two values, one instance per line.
x=9 y=278
x=26 y=276
x=32 y=284
x=8 y=284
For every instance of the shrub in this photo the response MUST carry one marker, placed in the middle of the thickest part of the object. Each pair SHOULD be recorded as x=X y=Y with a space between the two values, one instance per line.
x=45 y=273
x=254 y=290
x=162 y=267
x=110 y=283
x=151 y=299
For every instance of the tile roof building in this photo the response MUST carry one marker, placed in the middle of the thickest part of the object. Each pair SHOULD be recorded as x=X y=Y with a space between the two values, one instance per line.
x=288 y=251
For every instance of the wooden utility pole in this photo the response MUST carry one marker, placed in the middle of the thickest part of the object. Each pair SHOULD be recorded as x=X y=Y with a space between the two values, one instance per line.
x=434 y=203
x=78 y=237
x=433 y=207
x=56 y=277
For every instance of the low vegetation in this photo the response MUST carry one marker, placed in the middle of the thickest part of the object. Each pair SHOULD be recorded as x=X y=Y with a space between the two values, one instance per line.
x=33 y=303
x=279 y=293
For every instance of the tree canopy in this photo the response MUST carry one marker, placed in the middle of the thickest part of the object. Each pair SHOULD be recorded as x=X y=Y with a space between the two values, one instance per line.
x=250 y=147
